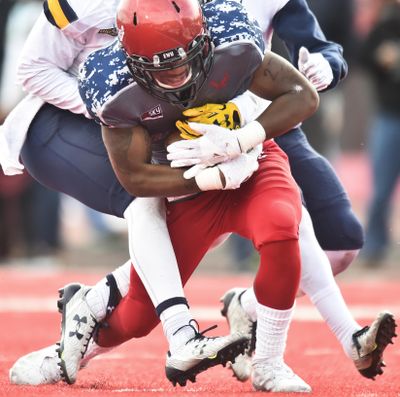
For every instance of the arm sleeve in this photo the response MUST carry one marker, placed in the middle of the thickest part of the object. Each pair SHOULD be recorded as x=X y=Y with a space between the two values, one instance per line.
x=47 y=55
x=297 y=26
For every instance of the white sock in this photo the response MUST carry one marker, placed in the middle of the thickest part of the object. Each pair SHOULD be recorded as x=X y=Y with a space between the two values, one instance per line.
x=122 y=277
x=248 y=301
x=98 y=296
x=175 y=322
x=271 y=333
x=318 y=283
x=97 y=299
x=336 y=314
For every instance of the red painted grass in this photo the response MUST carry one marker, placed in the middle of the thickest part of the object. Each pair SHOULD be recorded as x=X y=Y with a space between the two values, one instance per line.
x=137 y=368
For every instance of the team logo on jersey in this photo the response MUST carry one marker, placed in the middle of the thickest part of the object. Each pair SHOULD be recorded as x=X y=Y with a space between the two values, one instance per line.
x=110 y=31
x=218 y=85
x=152 y=114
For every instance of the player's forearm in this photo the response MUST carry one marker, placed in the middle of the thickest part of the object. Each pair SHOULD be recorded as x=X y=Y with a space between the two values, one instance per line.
x=287 y=111
x=45 y=58
x=153 y=180
x=294 y=99
x=53 y=85
x=129 y=150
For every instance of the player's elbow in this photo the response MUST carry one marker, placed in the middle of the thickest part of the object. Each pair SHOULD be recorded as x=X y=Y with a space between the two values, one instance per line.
x=135 y=187
x=23 y=75
x=28 y=76
x=310 y=100
x=138 y=185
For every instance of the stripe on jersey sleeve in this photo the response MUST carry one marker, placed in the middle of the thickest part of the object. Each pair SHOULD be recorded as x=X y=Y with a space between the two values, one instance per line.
x=59 y=13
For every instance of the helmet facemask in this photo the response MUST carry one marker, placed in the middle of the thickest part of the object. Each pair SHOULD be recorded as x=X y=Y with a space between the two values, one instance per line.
x=175 y=75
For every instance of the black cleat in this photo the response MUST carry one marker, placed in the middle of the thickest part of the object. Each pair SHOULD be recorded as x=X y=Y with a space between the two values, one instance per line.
x=369 y=343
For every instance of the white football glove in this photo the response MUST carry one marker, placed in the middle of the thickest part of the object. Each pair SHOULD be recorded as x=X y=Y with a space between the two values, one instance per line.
x=235 y=172
x=316 y=68
x=240 y=169
x=217 y=144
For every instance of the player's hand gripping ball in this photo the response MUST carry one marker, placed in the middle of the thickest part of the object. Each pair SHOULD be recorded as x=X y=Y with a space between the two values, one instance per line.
x=225 y=115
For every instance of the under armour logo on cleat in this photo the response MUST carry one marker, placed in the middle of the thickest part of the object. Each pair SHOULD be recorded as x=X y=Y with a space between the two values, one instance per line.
x=79 y=321
x=77 y=334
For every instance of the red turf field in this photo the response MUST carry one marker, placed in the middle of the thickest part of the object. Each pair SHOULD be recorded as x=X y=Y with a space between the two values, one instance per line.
x=29 y=320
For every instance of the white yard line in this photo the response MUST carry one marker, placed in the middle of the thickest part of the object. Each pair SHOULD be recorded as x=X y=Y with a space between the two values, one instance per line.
x=204 y=313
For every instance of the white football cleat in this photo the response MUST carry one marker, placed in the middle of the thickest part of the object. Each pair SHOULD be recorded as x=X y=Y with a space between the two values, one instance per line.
x=40 y=367
x=369 y=343
x=239 y=321
x=77 y=327
x=276 y=376
x=200 y=353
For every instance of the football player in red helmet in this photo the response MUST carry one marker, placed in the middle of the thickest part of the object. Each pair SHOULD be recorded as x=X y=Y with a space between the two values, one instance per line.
x=168 y=48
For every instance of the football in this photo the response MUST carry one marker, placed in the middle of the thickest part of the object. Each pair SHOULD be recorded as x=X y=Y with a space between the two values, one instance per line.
x=173 y=137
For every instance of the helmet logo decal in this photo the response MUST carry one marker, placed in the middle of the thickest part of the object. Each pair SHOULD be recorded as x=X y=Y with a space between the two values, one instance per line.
x=173 y=55
x=153 y=114
x=110 y=31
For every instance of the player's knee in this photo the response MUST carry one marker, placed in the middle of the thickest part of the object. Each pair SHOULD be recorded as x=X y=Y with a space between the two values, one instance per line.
x=338 y=230
x=352 y=231
x=341 y=260
x=280 y=221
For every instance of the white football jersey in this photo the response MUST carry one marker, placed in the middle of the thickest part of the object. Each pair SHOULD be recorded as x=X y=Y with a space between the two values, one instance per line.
x=263 y=12
x=63 y=36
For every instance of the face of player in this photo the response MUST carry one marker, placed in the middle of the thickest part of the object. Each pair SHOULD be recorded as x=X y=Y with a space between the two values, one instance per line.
x=173 y=78
x=179 y=80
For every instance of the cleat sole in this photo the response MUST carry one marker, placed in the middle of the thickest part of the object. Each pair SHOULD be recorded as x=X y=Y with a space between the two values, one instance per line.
x=384 y=337
x=228 y=354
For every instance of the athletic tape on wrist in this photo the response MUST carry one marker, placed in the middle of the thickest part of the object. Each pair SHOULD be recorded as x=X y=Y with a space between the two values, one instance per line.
x=250 y=136
x=248 y=105
x=209 y=179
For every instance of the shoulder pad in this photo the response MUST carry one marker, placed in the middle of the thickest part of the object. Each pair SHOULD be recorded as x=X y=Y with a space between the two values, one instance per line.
x=228 y=21
x=102 y=76
x=59 y=13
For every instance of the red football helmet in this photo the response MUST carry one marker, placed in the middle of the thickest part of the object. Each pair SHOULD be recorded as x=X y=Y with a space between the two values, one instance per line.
x=169 y=51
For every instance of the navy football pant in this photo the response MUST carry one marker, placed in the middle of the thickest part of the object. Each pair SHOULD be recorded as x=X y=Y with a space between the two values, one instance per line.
x=336 y=226
x=65 y=152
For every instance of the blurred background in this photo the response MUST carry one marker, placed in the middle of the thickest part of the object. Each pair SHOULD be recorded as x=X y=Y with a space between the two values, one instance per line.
x=353 y=128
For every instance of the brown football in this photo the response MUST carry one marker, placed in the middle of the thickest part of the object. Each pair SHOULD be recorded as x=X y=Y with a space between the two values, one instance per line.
x=173 y=137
